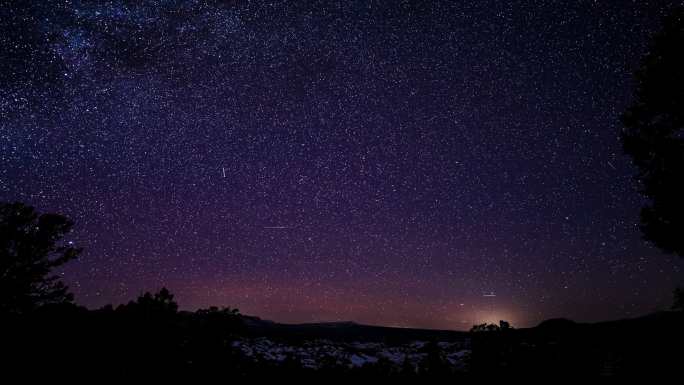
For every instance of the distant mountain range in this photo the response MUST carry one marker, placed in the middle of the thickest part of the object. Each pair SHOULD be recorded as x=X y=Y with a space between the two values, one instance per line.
x=352 y=331
x=347 y=331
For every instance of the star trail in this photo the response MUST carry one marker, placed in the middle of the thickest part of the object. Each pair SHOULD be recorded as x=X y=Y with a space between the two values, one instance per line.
x=423 y=164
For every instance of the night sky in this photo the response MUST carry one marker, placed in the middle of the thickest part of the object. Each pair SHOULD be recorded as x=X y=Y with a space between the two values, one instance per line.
x=423 y=164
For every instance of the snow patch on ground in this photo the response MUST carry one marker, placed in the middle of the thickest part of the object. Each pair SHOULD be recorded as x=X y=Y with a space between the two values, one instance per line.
x=318 y=353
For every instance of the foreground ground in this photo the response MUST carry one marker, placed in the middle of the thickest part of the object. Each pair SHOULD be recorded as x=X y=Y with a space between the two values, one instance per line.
x=216 y=342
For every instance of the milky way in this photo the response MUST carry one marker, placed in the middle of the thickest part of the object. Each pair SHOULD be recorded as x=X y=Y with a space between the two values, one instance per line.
x=427 y=164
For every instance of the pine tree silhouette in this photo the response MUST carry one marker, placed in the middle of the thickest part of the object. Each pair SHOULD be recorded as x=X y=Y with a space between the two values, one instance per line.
x=30 y=248
x=653 y=136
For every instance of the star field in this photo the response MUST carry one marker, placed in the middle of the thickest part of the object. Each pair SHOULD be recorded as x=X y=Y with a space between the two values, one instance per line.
x=391 y=163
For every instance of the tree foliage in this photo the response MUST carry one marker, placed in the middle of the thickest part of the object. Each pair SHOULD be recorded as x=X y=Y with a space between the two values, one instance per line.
x=31 y=248
x=678 y=303
x=485 y=327
x=653 y=136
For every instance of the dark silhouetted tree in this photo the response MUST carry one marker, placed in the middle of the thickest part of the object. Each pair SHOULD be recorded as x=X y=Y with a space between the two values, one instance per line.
x=479 y=328
x=219 y=312
x=678 y=303
x=217 y=324
x=485 y=327
x=434 y=363
x=504 y=325
x=148 y=305
x=653 y=136
x=31 y=247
